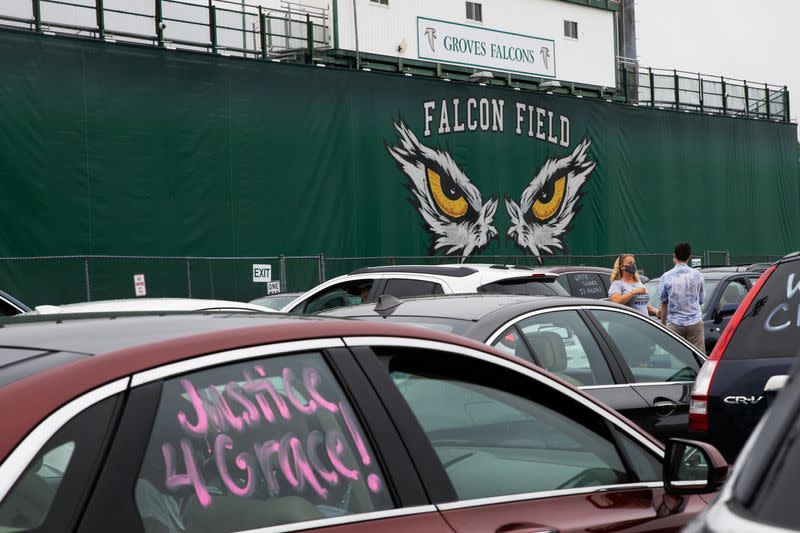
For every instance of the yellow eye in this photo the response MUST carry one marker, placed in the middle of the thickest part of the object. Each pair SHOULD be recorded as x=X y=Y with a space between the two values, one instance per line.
x=455 y=208
x=548 y=201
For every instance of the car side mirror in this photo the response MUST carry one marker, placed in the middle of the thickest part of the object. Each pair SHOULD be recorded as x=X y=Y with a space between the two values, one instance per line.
x=724 y=311
x=692 y=467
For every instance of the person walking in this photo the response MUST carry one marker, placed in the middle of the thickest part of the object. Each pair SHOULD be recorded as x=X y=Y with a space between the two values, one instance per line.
x=681 y=293
x=626 y=287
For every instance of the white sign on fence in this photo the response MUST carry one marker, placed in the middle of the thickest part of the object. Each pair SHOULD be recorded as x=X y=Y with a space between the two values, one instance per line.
x=460 y=44
x=262 y=273
x=696 y=262
x=139 y=285
x=273 y=287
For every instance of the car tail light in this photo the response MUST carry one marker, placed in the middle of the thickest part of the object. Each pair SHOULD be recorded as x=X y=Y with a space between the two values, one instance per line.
x=698 y=408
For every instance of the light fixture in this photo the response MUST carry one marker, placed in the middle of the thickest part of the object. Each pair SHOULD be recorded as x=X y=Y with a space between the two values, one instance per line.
x=550 y=84
x=481 y=77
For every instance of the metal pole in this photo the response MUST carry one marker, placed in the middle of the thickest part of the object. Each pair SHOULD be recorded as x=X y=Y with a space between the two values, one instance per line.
x=37 y=15
x=284 y=281
x=785 y=103
x=262 y=21
x=335 y=24
x=86 y=277
x=700 y=89
x=101 y=24
x=309 y=37
x=766 y=88
x=676 y=81
x=244 y=30
x=188 y=278
x=212 y=25
x=321 y=263
x=159 y=23
x=355 y=25
x=652 y=88
x=746 y=99
x=724 y=96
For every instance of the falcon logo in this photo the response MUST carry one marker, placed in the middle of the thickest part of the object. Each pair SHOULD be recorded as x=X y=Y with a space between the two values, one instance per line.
x=430 y=33
x=545 y=53
x=460 y=222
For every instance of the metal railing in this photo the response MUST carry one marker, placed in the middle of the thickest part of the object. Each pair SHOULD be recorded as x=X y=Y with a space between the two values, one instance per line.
x=65 y=279
x=702 y=93
x=226 y=27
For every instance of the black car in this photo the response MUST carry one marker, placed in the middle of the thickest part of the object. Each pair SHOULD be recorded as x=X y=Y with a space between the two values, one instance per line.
x=583 y=281
x=725 y=288
x=761 y=494
x=10 y=306
x=624 y=359
x=761 y=340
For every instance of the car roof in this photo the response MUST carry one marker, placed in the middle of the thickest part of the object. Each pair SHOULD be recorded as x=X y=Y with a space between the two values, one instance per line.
x=472 y=307
x=147 y=305
x=119 y=345
x=458 y=270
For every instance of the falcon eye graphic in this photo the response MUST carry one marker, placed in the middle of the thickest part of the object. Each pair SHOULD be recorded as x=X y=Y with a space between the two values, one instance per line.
x=549 y=203
x=451 y=207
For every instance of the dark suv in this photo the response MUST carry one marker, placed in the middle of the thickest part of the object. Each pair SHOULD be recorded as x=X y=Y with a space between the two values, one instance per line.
x=762 y=340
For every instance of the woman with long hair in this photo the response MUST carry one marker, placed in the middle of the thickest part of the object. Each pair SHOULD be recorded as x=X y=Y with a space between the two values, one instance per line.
x=626 y=287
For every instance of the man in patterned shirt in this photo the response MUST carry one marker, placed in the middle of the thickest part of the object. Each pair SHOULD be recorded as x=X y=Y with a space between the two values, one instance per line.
x=681 y=294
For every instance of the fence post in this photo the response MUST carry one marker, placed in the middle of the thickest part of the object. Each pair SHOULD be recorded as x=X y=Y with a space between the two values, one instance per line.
x=676 y=81
x=786 y=104
x=159 y=23
x=746 y=99
x=283 y=273
x=87 y=279
x=37 y=14
x=188 y=277
x=262 y=22
x=700 y=90
x=101 y=23
x=766 y=88
x=724 y=96
x=321 y=262
x=625 y=83
x=212 y=25
x=310 y=37
x=652 y=88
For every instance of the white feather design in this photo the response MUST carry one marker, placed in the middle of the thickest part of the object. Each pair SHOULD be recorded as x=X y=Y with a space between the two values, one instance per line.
x=461 y=237
x=545 y=237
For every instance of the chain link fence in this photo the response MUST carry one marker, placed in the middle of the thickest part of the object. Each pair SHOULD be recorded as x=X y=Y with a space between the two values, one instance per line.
x=64 y=279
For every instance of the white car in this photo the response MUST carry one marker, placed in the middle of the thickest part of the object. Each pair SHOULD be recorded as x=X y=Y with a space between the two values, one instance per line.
x=403 y=281
x=132 y=305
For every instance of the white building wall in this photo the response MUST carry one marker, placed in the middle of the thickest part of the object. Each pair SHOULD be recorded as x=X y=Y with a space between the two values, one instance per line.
x=590 y=59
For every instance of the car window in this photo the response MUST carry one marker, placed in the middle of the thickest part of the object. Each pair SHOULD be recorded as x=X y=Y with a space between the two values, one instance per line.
x=527 y=286
x=6 y=309
x=48 y=494
x=733 y=293
x=586 y=285
x=651 y=354
x=497 y=432
x=510 y=342
x=256 y=444
x=404 y=288
x=562 y=343
x=709 y=286
x=340 y=295
x=769 y=327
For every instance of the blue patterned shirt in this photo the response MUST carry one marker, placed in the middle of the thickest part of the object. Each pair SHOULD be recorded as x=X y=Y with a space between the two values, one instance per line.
x=682 y=290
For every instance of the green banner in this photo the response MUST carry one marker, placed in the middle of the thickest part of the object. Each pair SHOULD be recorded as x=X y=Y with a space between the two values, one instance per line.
x=121 y=149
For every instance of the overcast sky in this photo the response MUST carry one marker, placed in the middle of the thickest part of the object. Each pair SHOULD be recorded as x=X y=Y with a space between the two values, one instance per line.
x=745 y=39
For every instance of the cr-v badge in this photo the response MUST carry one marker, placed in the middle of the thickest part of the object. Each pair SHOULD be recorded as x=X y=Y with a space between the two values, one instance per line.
x=742 y=400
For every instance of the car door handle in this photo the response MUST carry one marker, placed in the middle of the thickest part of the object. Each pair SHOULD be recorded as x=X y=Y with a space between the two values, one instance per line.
x=665 y=407
x=522 y=527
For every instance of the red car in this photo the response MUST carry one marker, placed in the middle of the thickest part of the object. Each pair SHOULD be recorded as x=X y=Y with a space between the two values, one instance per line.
x=223 y=422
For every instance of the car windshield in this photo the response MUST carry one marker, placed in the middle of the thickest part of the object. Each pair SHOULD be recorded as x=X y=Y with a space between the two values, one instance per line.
x=447 y=325
x=526 y=286
x=276 y=302
x=653 y=286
